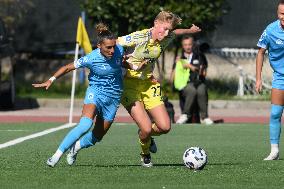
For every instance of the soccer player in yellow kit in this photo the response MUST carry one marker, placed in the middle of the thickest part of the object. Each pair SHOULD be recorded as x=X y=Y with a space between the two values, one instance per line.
x=142 y=93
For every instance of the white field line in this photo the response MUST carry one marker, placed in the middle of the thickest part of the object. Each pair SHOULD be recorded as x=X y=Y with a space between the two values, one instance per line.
x=35 y=135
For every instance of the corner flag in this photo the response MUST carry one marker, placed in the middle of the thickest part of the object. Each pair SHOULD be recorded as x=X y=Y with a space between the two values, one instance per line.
x=82 y=40
x=82 y=37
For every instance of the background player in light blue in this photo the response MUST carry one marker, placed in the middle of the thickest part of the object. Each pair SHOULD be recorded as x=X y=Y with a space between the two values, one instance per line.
x=272 y=39
x=102 y=97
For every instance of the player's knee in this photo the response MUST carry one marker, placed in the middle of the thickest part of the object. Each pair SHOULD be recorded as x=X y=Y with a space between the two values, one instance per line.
x=164 y=131
x=275 y=114
x=145 y=131
x=165 y=128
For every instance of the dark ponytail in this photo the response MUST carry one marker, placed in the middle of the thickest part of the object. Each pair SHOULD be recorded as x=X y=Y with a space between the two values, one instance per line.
x=103 y=33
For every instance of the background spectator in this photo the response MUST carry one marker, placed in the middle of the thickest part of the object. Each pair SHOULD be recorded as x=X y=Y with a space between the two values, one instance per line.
x=194 y=91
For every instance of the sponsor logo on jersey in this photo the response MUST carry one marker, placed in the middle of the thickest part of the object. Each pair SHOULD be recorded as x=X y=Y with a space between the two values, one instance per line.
x=85 y=59
x=82 y=60
x=117 y=61
x=263 y=35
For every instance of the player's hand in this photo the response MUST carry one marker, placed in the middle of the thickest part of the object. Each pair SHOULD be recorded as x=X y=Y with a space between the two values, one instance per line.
x=124 y=59
x=46 y=84
x=194 y=29
x=258 y=86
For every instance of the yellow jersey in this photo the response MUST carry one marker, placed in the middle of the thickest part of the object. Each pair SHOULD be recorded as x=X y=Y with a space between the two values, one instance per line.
x=142 y=47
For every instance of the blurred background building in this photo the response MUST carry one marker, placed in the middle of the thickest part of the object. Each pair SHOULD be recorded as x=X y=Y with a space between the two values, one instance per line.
x=44 y=39
x=51 y=25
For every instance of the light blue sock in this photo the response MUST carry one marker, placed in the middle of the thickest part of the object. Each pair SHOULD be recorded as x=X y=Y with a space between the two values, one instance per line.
x=275 y=123
x=88 y=140
x=84 y=126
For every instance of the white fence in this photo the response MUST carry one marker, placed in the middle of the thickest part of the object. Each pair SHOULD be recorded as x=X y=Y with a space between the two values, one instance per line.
x=246 y=84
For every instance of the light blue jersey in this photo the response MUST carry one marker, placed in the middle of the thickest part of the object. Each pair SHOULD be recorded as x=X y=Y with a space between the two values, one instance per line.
x=105 y=88
x=272 y=39
x=105 y=74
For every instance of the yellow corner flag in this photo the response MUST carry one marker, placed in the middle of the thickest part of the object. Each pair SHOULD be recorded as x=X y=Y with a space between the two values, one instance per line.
x=82 y=37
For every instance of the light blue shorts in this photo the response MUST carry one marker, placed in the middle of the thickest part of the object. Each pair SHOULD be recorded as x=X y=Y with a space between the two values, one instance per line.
x=106 y=107
x=278 y=81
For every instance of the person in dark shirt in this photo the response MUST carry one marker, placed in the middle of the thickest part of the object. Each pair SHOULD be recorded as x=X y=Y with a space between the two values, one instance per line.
x=196 y=89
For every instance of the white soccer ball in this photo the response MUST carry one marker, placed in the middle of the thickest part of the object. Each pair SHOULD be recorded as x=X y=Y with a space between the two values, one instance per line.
x=195 y=158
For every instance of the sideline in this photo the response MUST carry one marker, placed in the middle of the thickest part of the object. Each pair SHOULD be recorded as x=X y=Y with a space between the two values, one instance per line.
x=11 y=130
x=35 y=135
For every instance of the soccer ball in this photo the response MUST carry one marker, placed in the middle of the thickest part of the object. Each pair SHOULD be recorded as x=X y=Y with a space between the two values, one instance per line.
x=195 y=158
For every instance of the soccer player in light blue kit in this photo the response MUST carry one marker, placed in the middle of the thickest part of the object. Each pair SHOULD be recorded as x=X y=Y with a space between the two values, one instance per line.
x=103 y=94
x=272 y=39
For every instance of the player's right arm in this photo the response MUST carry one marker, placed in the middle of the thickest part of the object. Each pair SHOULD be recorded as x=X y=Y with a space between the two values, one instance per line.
x=132 y=39
x=262 y=44
x=84 y=61
x=60 y=72
x=259 y=64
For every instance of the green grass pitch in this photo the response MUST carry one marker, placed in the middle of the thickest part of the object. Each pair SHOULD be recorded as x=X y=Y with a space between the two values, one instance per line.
x=235 y=153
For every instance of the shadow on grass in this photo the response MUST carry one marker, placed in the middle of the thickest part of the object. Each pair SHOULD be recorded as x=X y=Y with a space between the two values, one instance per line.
x=225 y=164
x=131 y=165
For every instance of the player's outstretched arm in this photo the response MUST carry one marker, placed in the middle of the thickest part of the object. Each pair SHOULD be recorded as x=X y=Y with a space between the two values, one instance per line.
x=192 y=29
x=60 y=72
x=259 y=64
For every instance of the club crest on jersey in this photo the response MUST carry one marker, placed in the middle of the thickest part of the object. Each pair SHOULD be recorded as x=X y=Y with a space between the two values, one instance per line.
x=279 y=42
x=128 y=38
x=90 y=96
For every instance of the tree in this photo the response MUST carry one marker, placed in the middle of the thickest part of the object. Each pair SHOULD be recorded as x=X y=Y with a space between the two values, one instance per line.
x=12 y=12
x=125 y=16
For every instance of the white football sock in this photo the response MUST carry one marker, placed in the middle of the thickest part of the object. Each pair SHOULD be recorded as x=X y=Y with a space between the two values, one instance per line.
x=274 y=148
x=57 y=155
x=77 y=146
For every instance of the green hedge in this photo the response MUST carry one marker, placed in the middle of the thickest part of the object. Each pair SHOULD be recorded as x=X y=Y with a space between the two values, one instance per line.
x=225 y=89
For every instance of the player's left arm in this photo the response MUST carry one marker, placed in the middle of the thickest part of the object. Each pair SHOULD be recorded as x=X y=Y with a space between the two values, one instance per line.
x=192 y=29
x=125 y=57
x=128 y=65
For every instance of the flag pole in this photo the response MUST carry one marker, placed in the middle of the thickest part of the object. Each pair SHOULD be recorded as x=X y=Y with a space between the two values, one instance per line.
x=73 y=85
